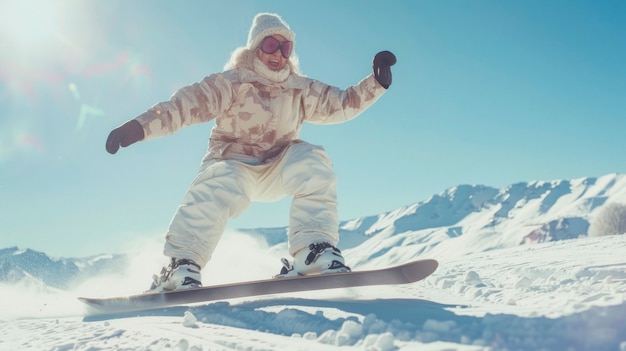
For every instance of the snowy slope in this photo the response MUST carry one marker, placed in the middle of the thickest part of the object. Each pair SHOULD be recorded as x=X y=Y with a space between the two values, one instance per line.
x=516 y=273
x=566 y=295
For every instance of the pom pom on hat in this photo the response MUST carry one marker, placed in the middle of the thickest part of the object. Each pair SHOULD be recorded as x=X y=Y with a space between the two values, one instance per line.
x=266 y=24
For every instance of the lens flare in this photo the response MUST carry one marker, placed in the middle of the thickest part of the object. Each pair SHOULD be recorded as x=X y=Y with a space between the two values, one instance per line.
x=74 y=91
x=85 y=112
x=17 y=140
x=27 y=141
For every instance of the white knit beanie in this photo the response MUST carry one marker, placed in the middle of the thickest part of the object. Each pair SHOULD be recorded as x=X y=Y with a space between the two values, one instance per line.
x=266 y=24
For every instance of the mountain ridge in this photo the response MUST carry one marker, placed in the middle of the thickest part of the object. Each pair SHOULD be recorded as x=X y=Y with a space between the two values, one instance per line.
x=460 y=220
x=26 y=264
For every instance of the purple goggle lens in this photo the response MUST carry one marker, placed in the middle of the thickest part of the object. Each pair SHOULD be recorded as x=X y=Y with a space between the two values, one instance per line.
x=269 y=45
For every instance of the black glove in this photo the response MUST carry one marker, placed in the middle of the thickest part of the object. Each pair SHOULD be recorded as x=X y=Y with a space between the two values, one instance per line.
x=382 y=67
x=124 y=135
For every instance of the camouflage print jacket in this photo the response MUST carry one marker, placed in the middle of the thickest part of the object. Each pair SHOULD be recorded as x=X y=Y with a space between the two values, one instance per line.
x=256 y=119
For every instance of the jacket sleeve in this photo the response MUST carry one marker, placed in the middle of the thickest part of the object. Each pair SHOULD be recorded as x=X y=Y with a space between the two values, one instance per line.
x=196 y=103
x=325 y=104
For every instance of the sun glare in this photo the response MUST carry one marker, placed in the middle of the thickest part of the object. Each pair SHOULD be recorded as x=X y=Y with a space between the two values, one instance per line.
x=30 y=24
x=36 y=38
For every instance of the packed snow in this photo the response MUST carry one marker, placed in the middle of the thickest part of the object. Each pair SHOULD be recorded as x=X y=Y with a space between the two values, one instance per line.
x=496 y=288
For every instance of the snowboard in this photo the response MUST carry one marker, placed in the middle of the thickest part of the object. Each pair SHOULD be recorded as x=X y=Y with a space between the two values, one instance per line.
x=401 y=274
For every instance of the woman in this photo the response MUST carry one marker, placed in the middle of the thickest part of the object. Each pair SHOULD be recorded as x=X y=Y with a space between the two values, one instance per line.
x=259 y=104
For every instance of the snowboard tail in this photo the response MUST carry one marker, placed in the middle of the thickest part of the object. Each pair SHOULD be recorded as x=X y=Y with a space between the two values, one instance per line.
x=402 y=274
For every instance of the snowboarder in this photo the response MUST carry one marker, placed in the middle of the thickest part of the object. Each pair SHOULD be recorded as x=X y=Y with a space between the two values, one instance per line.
x=259 y=104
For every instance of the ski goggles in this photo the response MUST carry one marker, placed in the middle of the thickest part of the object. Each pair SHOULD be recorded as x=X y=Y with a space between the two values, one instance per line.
x=270 y=45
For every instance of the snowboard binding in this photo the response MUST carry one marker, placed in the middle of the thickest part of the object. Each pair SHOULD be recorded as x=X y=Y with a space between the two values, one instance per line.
x=180 y=274
x=321 y=258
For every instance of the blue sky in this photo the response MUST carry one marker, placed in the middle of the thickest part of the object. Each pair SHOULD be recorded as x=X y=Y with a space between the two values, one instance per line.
x=484 y=92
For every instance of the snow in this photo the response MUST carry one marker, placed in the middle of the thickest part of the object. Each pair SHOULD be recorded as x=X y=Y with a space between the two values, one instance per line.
x=549 y=296
x=492 y=290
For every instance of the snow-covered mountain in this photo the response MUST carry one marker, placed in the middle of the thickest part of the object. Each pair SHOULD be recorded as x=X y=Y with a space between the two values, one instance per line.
x=507 y=280
x=19 y=265
x=461 y=220
x=474 y=218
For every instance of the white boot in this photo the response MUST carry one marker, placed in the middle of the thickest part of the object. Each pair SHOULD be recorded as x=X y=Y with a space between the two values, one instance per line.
x=319 y=258
x=180 y=274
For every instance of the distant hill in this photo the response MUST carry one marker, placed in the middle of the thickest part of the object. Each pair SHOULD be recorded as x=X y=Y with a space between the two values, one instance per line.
x=461 y=220
x=17 y=265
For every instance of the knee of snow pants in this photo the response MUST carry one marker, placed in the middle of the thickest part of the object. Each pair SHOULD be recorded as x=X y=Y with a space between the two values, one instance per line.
x=307 y=176
x=219 y=192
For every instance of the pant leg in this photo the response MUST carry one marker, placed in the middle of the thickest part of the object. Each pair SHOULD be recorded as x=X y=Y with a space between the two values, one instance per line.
x=219 y=192
x=307 y=175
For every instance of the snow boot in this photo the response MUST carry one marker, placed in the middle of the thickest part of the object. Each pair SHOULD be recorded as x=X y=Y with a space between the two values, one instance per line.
x=180 y=274
x=320 y=258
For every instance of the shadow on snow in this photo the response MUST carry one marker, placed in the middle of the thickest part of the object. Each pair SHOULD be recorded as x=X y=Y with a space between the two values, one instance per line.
x=599 y=328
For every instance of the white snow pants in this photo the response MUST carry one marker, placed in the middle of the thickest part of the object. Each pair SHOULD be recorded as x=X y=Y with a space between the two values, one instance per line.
x=223 y=189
